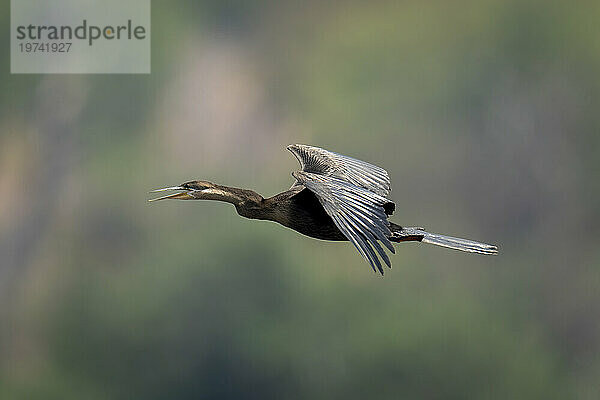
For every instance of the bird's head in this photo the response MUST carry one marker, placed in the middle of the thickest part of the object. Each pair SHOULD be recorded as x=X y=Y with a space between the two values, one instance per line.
x=187 y=191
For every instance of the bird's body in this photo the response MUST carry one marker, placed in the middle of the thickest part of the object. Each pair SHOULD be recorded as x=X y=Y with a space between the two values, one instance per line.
x=334 y=198
x=297 y=209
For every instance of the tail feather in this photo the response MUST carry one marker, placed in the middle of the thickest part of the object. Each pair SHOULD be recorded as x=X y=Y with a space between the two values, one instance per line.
x=400 y=234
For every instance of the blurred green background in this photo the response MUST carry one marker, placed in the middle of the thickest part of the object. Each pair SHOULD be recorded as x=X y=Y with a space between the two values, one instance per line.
x=486 y=115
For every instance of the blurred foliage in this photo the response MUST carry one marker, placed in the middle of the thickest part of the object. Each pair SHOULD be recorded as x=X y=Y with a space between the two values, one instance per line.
x=485 y=115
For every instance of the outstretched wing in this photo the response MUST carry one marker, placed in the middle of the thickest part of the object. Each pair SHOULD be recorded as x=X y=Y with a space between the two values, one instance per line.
x=357 y=212
x=322 y=162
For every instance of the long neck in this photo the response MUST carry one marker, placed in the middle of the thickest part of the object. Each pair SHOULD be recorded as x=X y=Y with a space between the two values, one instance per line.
x=232 y=195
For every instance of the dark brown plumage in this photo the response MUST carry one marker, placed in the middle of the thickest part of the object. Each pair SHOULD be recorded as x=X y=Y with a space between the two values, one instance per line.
x=335 y=197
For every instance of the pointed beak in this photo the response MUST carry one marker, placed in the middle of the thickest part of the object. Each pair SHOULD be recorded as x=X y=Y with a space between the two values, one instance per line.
x=179 y=196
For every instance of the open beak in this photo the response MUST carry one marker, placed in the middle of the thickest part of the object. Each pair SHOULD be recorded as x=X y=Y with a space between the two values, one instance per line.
x=185 y=195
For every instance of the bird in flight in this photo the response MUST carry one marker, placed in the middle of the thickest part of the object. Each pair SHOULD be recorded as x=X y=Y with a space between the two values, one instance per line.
x=334 y=197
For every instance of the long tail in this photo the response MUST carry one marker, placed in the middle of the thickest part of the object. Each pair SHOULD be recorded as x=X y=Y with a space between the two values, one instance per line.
x=400 y=234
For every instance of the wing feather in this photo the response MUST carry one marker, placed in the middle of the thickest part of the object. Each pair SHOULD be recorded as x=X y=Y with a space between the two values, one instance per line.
x=356 y=211
x=360 y=173
x=362 y=227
